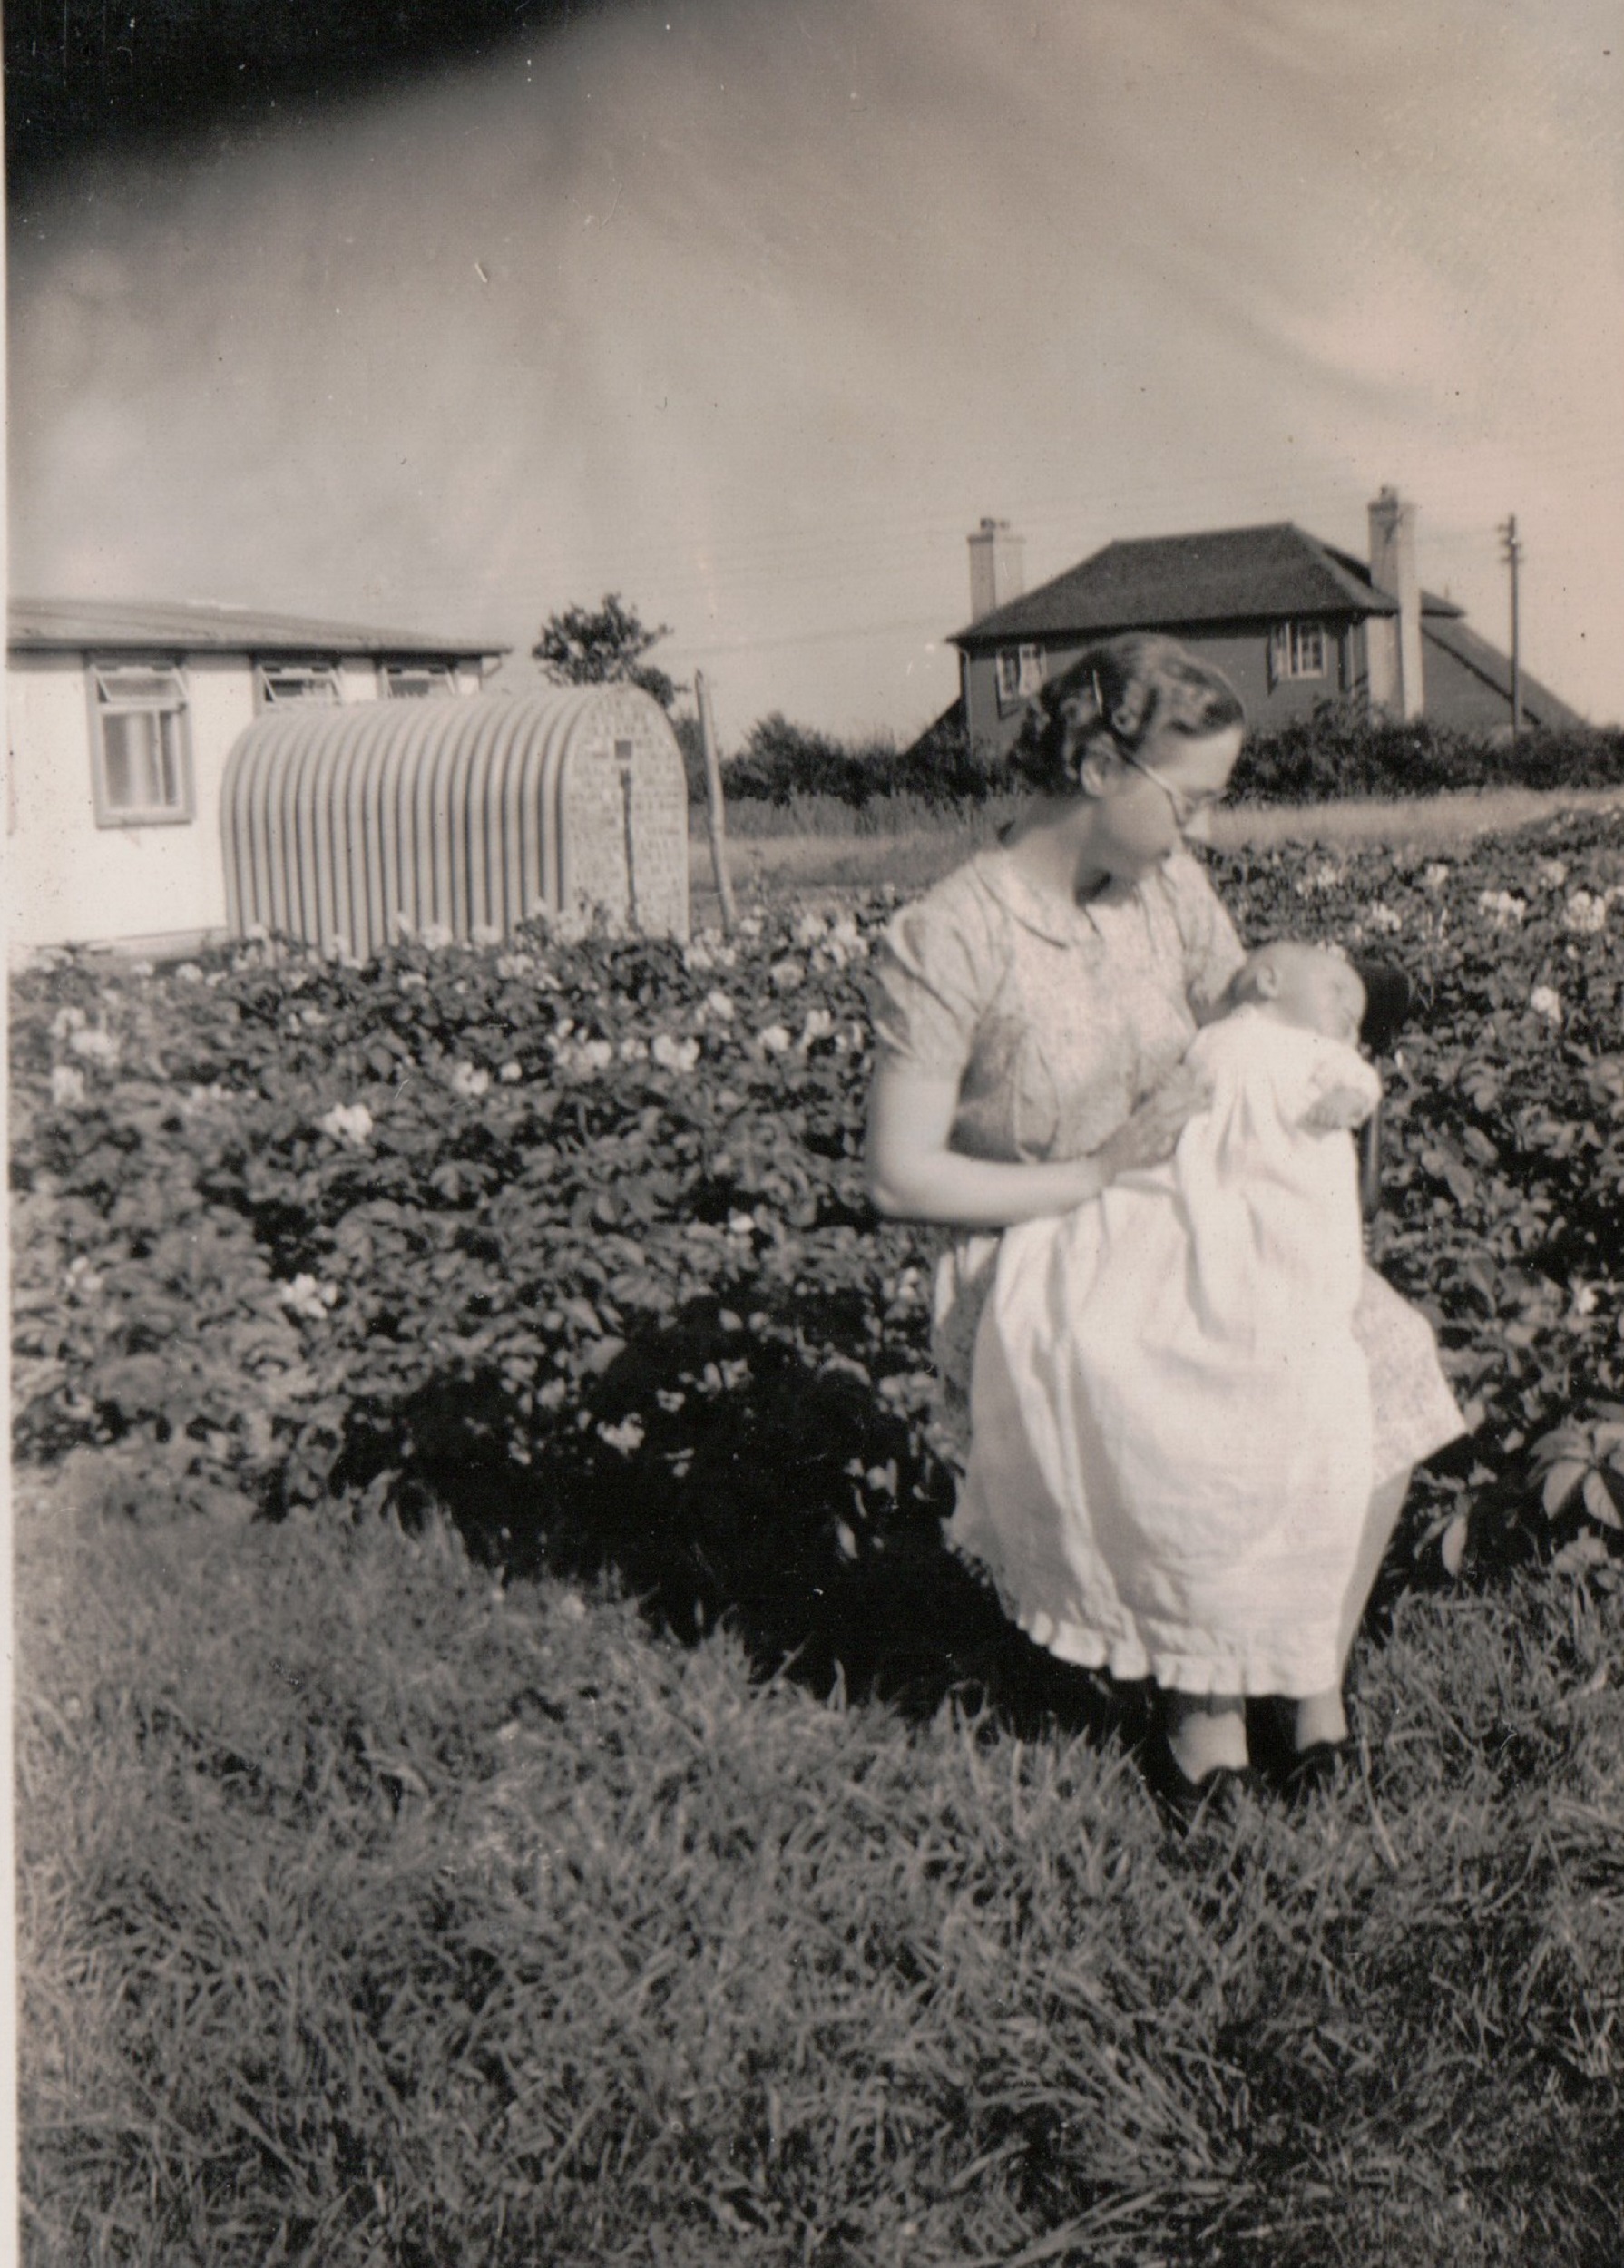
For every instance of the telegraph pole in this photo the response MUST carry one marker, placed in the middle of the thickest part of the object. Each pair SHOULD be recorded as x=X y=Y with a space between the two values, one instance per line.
x=1511 y=551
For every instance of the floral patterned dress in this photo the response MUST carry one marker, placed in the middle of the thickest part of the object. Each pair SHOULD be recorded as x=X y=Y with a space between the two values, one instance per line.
x=1057 y=1022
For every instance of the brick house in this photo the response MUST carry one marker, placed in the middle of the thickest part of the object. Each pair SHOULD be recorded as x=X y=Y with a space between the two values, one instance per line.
x=1292 y=621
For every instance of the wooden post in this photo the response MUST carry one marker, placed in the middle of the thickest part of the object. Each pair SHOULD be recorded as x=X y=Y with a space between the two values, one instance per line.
x=713 y=805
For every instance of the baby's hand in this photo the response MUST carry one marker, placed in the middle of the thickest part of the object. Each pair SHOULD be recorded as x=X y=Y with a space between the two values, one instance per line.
x=1337 y=1111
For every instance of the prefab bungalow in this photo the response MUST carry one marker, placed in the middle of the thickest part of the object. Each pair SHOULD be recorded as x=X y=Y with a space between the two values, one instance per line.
x=121 y=719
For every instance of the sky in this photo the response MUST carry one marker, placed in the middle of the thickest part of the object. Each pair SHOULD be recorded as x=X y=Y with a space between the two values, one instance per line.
x=751 y=310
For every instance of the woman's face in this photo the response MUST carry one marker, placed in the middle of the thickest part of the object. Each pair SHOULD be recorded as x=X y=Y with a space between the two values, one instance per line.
x=1146 y=804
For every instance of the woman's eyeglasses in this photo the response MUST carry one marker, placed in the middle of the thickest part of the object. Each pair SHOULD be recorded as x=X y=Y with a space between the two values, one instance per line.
x=1186 y=807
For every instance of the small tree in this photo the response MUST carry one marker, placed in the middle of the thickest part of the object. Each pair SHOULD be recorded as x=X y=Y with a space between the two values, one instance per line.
x=603 y=645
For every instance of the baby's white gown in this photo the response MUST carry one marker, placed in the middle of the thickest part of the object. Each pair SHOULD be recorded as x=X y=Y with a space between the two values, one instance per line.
x=1171 y=1440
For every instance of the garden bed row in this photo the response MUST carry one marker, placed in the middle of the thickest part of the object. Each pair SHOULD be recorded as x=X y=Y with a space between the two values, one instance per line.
x=571 y=1235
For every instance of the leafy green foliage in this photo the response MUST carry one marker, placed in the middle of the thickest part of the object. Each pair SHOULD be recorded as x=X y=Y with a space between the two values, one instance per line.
x=571 y=1235
x=1336 y=753
x=603 y=645
x=1340 y=750
x=781 y=762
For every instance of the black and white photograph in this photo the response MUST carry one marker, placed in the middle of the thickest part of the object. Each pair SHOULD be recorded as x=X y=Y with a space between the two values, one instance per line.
x=814 y=877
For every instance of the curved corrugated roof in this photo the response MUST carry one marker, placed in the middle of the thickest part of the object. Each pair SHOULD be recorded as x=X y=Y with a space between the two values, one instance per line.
x=342 y=822
x=110 y=625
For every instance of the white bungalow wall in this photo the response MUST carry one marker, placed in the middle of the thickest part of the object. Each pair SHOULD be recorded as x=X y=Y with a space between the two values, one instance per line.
x=73 y=881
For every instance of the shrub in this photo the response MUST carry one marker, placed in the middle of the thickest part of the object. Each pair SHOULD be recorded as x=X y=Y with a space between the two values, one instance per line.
x=1338 y=752
x=781 y=761
x=1341 y=751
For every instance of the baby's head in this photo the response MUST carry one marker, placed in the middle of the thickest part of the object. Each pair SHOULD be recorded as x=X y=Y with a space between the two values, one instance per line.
x=1307 y=985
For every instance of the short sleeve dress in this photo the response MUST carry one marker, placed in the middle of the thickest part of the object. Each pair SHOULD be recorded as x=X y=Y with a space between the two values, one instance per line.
x=1057 y=1022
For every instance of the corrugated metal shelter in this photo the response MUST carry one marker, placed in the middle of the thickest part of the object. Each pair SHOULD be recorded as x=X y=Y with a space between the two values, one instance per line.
x=468 y=814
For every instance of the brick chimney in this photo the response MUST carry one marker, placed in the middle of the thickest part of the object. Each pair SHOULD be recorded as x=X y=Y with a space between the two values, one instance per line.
x=1393 y=643
x=997 y=567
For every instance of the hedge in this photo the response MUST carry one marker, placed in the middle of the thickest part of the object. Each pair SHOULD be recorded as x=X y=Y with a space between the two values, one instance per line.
x=1336 y=753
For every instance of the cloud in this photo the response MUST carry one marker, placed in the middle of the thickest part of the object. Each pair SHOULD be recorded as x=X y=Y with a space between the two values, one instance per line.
x=752 y=320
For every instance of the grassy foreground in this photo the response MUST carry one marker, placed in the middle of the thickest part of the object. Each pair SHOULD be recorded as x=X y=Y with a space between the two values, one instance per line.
x=372 y=1912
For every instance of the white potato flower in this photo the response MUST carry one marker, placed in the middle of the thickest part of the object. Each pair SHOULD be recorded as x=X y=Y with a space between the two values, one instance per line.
x=348 y=1123
x=627 y=1437
x=310 y=1296
x=1503 y=910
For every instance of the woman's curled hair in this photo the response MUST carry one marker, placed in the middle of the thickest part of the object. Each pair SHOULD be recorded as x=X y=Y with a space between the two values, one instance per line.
x=1123 y=692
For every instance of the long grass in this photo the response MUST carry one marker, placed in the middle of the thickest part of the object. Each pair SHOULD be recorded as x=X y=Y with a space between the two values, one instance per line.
x=884 y=817
x=373 y=1911
x=818 y=844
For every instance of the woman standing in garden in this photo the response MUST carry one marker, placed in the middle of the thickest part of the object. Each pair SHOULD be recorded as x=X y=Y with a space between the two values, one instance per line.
x=1031 y=1014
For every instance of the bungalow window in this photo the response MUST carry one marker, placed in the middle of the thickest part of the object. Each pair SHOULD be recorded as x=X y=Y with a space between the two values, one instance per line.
x=141 y=744
x=1020 y=673
x=288 y=684
x=1296 y=649
x=415 y=680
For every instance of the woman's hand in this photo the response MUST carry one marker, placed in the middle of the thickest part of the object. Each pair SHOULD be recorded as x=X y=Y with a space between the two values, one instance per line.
x=913 y=1174
x=1152 y=1132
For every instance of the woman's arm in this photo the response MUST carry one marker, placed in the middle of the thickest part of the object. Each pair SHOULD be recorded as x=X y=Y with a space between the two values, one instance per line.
x=913 y=1175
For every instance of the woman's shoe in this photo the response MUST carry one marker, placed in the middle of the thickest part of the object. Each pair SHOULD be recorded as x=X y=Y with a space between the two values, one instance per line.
x=1317 y=1769
x=1181 y=1800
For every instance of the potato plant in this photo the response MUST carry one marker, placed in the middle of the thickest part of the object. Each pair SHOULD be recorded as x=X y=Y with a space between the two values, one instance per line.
x=570 y=1234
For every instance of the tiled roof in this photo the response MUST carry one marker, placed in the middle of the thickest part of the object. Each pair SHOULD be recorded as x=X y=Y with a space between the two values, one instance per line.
x=1228 y=574
x=77 y=625
x=1541 y=706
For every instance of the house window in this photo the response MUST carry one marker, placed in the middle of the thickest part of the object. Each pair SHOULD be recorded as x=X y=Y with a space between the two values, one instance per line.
x=284 y=684
x=415 y=680
x=1020 y=673
x=1296 y=649
x=141 y=744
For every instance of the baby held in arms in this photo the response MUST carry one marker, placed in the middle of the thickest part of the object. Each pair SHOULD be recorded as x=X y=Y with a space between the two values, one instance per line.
x=1184 y=1346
